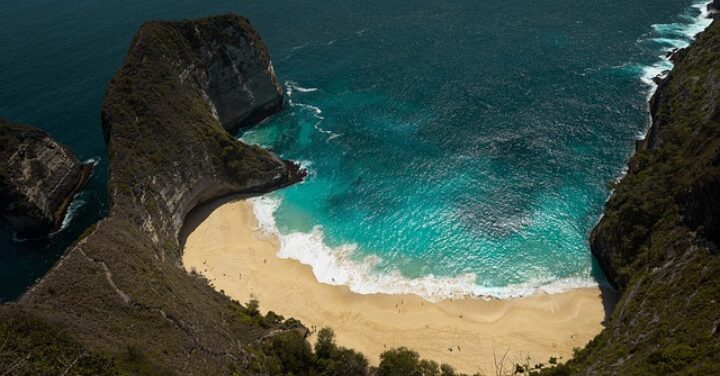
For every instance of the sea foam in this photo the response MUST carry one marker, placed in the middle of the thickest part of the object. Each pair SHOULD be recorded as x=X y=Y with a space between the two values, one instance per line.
x=290 y=88
x=673 y=36
x=78 y=201
x=340 y=266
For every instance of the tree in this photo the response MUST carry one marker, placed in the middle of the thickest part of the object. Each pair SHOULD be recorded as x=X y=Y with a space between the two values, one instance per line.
x=399 y=362
x=325 y=344
x=337 y=361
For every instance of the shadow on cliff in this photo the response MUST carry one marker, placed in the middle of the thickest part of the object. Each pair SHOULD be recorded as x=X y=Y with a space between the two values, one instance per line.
x=201 y=212
x=608 y=294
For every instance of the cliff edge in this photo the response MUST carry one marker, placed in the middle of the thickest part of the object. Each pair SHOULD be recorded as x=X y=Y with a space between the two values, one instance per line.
x=657 y=241
x=121 y=293
x=38 y=179
x=121 y=288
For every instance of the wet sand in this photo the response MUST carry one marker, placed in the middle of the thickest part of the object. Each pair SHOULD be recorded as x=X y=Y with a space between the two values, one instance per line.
x=223 y=243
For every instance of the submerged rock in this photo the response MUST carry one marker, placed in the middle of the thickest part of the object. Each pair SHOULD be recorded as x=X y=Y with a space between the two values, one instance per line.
x=38 y=179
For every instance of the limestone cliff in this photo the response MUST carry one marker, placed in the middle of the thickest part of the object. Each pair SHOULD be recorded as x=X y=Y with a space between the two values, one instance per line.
x=165 y=118
x=38 y=179
x=658 y=238
x=122 y=289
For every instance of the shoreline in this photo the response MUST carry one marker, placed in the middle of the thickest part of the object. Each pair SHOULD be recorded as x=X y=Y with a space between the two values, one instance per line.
x=223 y=242
x=335 y=265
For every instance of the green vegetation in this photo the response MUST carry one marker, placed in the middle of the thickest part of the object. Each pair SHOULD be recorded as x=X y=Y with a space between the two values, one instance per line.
x=154 y=120
x=285 y=350
x=336 y=361
x=121 y=304
x=30 y=346
x=289 y=353
x=404 y=362
x=120 y=290
x=658 y=239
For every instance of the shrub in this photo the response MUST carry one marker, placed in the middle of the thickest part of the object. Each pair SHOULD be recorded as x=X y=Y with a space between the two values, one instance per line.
x=292 y=352
x=337 y=361
x=399 y=362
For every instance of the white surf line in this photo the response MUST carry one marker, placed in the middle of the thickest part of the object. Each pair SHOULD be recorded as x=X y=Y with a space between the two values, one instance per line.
x=341 y=266
x=290 y=88
x=78 y=200
x=685 y=34
x=674 y=36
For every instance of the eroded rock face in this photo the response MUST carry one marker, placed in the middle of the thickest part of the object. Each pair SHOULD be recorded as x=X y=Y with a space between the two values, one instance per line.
x=167 y=118
x=240 y=80
x=38 y=179
x=169 y=114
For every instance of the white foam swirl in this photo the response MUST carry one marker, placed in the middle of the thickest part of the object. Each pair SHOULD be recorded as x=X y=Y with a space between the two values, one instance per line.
x=290 y=88
x=78 y=201
x=338 y=266
x=674 y=36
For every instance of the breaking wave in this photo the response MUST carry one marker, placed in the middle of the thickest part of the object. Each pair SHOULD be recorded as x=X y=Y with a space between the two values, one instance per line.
x=290 y=88
x=671 y=37
x=339 y=266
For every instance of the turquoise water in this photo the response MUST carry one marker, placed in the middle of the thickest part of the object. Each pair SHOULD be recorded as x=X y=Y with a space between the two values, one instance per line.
x=453 y=146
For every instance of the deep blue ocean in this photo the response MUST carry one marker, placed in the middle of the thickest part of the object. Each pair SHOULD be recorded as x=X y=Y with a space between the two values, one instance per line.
x=453 y=147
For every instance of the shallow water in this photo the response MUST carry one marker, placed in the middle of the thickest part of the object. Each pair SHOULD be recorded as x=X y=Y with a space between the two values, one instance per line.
x=453 y=146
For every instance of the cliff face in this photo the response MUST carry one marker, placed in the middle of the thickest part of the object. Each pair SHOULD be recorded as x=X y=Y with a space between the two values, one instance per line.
x=167 y=110
x=657 y=241
x=714 y=9
x=165 y=116
x=38 y=179
x=240 y=81
x=121 y=289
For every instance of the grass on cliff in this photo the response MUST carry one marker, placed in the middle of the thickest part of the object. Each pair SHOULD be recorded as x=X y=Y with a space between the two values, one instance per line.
x=30 y=346
x=661 y=230
x=285 y=351
x=146 y=102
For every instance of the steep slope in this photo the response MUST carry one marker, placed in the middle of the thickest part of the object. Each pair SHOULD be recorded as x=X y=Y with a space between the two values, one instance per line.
x=165 y=116
x=657 y=240
x=38 y=178
x=120 y=290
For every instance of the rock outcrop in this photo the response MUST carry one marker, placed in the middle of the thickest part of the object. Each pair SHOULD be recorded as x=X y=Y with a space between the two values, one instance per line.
x=166 y=117
x=714 y=9
x=38 y=179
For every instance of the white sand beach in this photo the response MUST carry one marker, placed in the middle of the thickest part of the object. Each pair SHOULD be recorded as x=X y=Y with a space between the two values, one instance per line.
x=224 y=245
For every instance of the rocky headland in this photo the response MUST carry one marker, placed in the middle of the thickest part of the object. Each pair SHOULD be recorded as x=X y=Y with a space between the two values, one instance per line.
x=38 y=179
x=121 y=292
x=657 y=240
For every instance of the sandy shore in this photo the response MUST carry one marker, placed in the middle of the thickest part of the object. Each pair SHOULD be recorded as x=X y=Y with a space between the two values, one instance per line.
x=223 y=244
